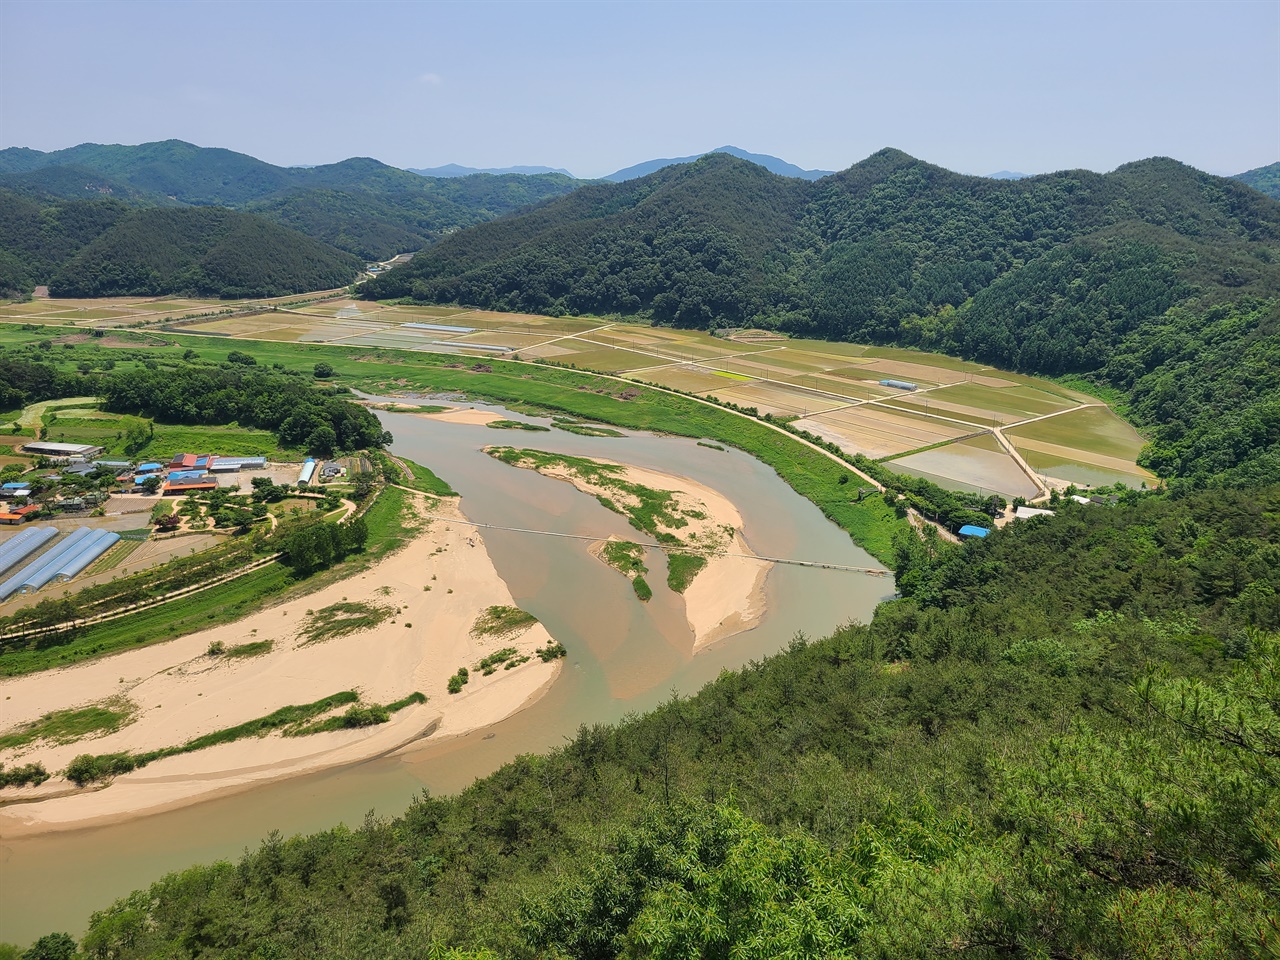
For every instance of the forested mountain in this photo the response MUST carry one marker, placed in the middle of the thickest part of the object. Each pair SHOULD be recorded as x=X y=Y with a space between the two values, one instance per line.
x=1115 y=276
x=989 y=769
x=99 y=248
x=772 y=164
x=1263 y=179
x=359 y=205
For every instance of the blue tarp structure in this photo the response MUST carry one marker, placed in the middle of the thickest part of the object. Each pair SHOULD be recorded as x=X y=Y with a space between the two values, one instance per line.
x=969 y=530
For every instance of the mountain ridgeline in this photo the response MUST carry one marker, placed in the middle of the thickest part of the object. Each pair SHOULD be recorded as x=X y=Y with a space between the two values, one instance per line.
x=1116 y=277
x=359 y=205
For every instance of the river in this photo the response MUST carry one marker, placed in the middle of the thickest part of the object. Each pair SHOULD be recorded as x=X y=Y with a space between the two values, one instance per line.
x=624 y=657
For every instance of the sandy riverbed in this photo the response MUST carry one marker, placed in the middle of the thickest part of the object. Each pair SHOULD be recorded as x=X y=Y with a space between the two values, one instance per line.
x=179 y=692
x=727 y=597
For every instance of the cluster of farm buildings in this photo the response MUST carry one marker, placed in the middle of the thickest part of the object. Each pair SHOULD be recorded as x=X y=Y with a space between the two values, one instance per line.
x=186 y=473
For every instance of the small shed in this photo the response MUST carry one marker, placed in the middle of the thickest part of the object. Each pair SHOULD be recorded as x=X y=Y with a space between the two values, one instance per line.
x=970 y=530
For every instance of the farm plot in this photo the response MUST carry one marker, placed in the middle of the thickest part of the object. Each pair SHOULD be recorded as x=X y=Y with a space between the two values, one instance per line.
x=977 y=465
x=603 y=359
x=1012 y=402
x=1101 y=471
x=429 y=314
x=776 y=399
x=877 y=431
x=240 y=326
x=504 y=338
x=686 y=376
x=932 y=361
x=835 y=383
x=325 y=331
x=1085 y=434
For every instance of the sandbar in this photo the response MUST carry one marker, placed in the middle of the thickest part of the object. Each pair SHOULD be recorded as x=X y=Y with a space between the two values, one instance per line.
x=727 y=597
x=180 y=691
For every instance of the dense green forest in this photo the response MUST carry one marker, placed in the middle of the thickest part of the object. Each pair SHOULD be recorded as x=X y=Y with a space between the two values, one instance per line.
x=1157 y=282
x=891 y=241
x=988 y=769
x=237 y=391
x=1263 y=179
x=104 y=248
x=359 y=205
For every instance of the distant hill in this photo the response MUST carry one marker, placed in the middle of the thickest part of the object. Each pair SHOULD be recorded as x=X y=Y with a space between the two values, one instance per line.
x=99 y=248
x=455 y=170
x=360 y=205
x=1263 y=179
x=1007 y=175
x=772 y=164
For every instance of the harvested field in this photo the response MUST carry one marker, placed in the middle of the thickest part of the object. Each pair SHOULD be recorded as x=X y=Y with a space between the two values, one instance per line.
x=503 y=338
x=776 y=399
x=239 y=326
x=548 y=351
x=935 y=361
x=833 y=383
x=917 y=373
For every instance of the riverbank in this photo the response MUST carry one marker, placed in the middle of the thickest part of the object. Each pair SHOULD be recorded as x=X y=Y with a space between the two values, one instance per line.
x=422 y=602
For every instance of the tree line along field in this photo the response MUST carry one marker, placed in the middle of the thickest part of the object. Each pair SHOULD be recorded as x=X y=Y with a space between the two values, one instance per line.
x=832 y=390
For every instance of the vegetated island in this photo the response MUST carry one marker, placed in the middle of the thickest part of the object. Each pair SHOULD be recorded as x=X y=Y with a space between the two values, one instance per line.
x=365 y=661
x=708 y=560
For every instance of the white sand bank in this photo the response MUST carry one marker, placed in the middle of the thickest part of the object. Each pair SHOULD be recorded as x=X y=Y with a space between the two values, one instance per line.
x=179 y=692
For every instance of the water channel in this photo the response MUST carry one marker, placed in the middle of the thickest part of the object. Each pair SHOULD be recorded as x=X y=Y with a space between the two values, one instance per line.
x=624 y=657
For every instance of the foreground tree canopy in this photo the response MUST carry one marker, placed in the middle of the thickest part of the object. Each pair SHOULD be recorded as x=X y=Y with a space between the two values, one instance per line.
x=978 y=772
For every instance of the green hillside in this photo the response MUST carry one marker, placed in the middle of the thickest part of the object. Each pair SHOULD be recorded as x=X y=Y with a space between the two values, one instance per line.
x=202 y=252
x=37 y=238
x=100 y=248
x=1263 y=179
x=359 y=205
x=871 y=253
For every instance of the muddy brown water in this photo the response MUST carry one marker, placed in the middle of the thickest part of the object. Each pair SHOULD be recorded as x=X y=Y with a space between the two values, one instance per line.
x=624 y=657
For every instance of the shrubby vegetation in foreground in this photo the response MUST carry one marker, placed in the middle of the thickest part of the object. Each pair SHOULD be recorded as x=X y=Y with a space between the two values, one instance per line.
x=1063 y=742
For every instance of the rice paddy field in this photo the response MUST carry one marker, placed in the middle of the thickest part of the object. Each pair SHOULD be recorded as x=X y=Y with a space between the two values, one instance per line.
x=964 y=425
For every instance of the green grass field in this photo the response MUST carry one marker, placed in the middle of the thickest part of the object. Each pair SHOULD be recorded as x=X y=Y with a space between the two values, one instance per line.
x=1093 y=429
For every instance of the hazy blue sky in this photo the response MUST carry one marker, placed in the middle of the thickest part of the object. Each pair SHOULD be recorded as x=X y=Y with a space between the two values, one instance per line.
x=593 y=87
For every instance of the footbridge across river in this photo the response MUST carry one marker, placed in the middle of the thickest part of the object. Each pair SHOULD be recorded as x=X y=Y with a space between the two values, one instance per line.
x=868 y=571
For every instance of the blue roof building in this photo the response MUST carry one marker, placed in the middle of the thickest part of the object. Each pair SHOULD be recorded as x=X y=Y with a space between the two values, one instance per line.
x=969 y=530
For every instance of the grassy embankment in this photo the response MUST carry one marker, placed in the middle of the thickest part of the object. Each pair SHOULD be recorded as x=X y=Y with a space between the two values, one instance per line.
x=415 y=476
x=218 y=605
